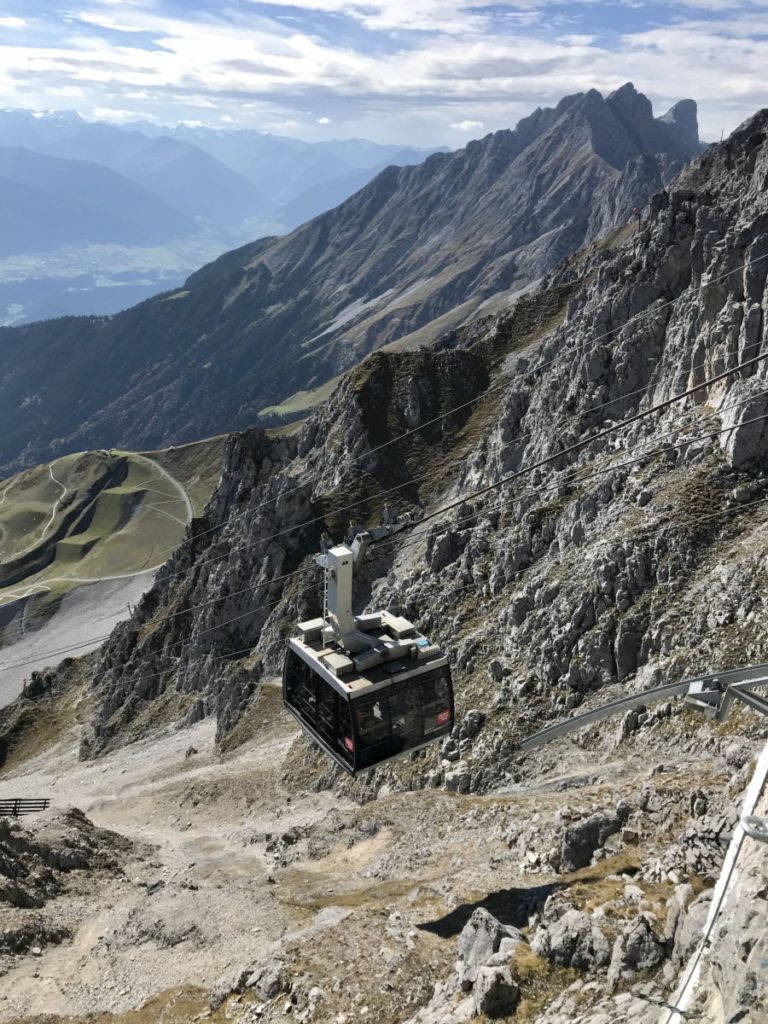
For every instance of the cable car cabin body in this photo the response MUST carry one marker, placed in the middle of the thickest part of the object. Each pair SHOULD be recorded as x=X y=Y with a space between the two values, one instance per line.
x=364 y=709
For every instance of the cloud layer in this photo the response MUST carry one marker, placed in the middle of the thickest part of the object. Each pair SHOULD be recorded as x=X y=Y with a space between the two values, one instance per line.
x=423 y=71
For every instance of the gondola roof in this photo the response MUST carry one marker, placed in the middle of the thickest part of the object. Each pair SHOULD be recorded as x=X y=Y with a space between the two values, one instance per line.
x=407 y=651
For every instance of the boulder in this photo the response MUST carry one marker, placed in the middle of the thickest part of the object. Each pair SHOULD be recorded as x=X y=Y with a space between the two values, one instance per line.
x=472 y=724
x=582 y=839
x=495 y=993
x=677 y=906
x=691 y=928
x=636 y=949
x=496 y=670
x=480 y=938
x=574 y=940
x=228 y=985
x=266 y=979
x=458 y=780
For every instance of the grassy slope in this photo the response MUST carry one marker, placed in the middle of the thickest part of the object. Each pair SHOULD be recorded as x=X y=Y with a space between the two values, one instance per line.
x=98 y=514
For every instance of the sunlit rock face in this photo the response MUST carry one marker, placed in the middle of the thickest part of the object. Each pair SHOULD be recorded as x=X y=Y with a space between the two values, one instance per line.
x=418 y=250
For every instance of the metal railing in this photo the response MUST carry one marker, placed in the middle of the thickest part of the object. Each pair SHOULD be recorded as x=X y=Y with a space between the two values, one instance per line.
x=17 y=806
x=713 y=693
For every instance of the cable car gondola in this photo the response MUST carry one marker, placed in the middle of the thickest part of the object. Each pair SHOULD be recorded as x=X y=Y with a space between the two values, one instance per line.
x=366 y=688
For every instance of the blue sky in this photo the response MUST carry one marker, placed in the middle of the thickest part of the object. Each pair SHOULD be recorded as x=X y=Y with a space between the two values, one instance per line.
x=426 y=72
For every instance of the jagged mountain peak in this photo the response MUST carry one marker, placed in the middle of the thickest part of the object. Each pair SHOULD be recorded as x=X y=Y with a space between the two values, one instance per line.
x=739 y=165
x=634 y=110
x=641 y=132
x=683 y=117
x=630 y=98
x=414 y=253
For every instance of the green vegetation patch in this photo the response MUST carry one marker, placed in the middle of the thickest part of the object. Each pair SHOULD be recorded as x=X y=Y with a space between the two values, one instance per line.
x=196 y=467
x=301 y=401
x=96 y=515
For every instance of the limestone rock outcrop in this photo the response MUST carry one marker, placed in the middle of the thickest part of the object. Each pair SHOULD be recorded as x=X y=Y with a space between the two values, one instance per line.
x=603 y=565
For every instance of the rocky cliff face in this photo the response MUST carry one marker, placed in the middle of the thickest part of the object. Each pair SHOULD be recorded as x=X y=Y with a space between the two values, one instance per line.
x=632 y=556
x=415 y=252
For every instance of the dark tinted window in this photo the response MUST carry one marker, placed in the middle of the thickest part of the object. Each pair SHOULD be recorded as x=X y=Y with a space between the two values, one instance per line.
x=405 y=714
x=345 y=737
x=320 y=706
x=301 y=688
x=436 y=701
x=372 y=716
x=327 y=701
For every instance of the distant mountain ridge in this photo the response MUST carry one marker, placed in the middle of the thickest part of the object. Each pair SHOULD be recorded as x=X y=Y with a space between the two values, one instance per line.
x=415 y=252
x=285 y=168
x=180 y=191
x=183 y=176
x=219 y=177
x=49 y=200
x=298 y=179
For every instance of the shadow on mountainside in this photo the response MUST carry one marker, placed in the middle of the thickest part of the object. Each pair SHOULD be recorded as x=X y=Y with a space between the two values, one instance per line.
x=509 y=906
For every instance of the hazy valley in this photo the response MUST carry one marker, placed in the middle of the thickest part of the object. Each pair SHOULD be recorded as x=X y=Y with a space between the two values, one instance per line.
x=97 y=217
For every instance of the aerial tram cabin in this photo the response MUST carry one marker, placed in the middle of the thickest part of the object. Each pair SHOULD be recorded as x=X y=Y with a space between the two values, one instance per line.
x=366 y=688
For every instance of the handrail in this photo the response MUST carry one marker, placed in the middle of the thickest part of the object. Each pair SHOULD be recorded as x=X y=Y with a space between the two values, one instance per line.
x=14 y=807
x=734 y=679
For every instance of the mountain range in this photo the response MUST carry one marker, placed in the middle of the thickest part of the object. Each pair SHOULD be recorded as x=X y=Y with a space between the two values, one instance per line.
x=298 y=180
x=413 y=254
x=185 y=177
x=582 y=485
x=48 y=201
x=97 y=216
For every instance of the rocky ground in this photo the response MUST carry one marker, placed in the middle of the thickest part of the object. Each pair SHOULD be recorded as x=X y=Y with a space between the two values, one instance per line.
x=196 y=884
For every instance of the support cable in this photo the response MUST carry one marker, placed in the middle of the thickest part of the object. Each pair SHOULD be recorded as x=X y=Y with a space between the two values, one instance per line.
x=519 y=473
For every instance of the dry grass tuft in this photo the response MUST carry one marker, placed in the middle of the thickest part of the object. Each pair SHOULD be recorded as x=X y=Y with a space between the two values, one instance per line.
x=539 y=982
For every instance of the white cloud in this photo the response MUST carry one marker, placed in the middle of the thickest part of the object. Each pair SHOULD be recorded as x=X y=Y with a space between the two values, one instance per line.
x=468 y=126
x=450 y=16
x=724 y=5
x=106 y=21
x=111 y=114
x=463 y=72
x=10 y=22
x=575 y=40
x=281 y=126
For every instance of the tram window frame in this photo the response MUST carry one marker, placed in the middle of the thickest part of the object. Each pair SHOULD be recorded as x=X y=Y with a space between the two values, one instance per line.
x=409 y=738
x=304 y=692
x=443 y=701
x=327 y=707
x=346 y=742
x=370 y=738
